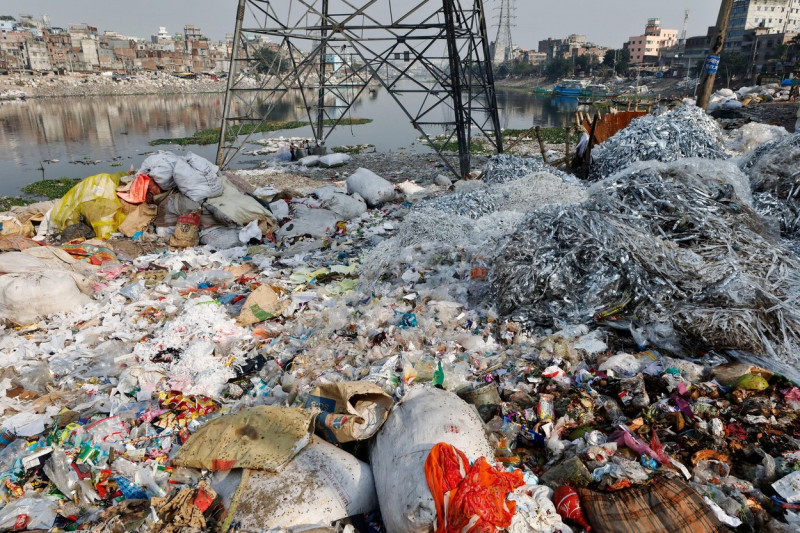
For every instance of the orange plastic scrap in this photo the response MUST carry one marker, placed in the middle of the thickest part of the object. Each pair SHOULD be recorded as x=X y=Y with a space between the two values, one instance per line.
x=469 y=499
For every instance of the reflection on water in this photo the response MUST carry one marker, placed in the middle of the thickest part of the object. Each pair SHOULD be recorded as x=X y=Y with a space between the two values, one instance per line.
x=114 y=131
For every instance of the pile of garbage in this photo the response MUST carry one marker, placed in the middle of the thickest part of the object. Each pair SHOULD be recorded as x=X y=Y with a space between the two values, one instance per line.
x=667 y=135
x=517 y=353
x=726 y=99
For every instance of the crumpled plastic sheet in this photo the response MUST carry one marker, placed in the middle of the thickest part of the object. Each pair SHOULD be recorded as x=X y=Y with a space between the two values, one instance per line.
x=685 y=131
x=504 y=168
x=662 y=246
x=774 y=167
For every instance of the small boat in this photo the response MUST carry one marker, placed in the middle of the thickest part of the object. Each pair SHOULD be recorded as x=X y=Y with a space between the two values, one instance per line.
x=568 y=88
x=540 y=90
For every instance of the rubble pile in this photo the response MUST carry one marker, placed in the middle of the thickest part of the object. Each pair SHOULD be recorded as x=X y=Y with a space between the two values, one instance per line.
x=519 y=353
x=685 y=131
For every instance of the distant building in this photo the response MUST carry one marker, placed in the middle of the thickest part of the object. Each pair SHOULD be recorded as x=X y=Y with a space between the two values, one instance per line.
x=647 y=48
x=573 y=46
x=774 y=16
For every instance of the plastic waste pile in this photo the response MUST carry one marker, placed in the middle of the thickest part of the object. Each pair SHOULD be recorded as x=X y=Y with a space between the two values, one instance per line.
x=668 y=135
x=522 y=354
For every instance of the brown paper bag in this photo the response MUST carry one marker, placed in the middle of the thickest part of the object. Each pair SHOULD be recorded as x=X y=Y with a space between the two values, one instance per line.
x=138 y=219
x=350 y=411
x=262 y=304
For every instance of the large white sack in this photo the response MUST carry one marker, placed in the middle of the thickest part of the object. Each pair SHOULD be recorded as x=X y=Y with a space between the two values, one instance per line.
x=333 y=160
x=337 y=200
x=372 y=188
x=161 y=167
x=42 y=258
x=425 y=417
x=306 y=221
x=25 y=298
x=320 y=485
x=197 y=178
x=235 y=207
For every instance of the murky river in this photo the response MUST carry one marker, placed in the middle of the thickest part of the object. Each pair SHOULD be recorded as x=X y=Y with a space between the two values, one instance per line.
x=78 y=137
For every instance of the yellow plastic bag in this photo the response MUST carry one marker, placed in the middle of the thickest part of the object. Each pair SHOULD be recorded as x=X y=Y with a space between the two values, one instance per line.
x=94 y=199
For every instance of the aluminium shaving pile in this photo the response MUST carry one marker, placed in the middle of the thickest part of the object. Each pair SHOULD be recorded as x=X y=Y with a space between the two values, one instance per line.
x=774 y=171
x=685 y=131
x=504 y=168
x=662 y=245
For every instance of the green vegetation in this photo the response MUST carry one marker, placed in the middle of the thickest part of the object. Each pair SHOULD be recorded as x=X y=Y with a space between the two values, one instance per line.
x=51 y=189
x=7 y=17
x=618 y=61
x=7 y=202
x=271 y=61
x=549 y=135
x=211 y=136
x=352 y=150
x=117 y=164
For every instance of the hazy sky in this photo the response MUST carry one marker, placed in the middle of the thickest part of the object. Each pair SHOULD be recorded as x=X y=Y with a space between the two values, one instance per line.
x=605 y=22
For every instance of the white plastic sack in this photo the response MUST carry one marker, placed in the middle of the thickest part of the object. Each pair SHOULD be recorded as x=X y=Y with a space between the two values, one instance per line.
x=306 y=221
x=25 y=298
x=220 y=237
x=310 y=161
x=337 y=200
x=235 y=207
x=334 y=160
x=161 y=167
x=320 y=485
x=197 y=178
x=372 y=188
x=425 y=417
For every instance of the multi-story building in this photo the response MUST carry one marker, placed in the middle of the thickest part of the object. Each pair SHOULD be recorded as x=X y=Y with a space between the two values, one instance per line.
x=37 y=56
x=776 y=16
x=647 y=48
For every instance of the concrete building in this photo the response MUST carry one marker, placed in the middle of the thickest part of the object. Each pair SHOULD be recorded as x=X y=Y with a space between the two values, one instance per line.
x=776 y=16
x=37 y=56
x=573 y=46
x=647 y=48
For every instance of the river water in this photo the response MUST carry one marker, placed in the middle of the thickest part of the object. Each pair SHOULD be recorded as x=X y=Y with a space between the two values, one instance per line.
x=78 y=137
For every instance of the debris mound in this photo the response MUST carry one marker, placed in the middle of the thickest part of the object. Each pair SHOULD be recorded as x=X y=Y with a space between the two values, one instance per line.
x=661 y=244
x=685 y=131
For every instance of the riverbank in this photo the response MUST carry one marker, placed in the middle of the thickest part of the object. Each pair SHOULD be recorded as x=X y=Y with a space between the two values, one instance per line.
x=97 y=85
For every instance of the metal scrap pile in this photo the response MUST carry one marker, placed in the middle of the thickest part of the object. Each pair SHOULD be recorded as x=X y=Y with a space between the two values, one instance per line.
x=504 y=168
x=775 y=178
x=685 y=131
x=661 y=244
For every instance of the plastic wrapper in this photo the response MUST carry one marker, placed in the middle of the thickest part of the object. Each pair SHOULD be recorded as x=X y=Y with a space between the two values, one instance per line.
x=685 y=131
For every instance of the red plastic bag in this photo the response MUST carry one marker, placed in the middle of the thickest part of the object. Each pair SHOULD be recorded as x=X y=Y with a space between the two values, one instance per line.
x=137 y=193
x=469 y=498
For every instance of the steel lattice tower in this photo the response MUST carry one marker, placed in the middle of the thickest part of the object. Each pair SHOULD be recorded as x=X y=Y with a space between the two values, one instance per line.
x=330 y=51
x=502 y=44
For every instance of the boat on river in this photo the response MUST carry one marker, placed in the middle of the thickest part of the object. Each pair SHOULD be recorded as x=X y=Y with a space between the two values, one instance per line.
x=568 y=88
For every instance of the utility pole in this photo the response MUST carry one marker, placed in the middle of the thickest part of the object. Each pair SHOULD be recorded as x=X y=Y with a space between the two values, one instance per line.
x=712 y=61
